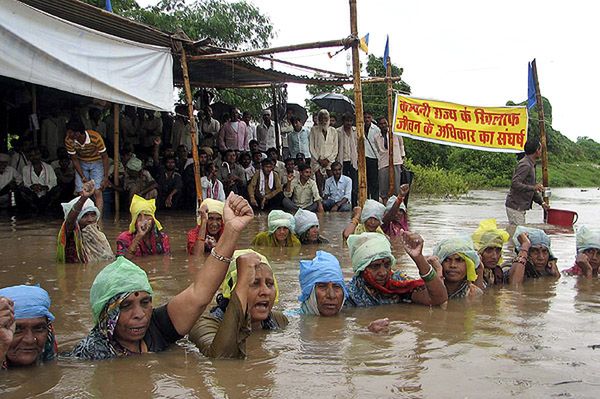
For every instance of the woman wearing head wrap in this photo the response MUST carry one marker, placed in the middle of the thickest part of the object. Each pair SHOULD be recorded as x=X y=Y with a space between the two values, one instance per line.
x=121 y=299
x=534 y=256
x=488 y=240
x=322 y=285
x=205 y=235
x=281 y=231
x=395 y=219
x=459 y=262
x=587 y=261
x=26 y=331
x=366 y=219
x=144 y=236
x=249 y=292
x=307 y=227
x=80 y=239
x=375 y=283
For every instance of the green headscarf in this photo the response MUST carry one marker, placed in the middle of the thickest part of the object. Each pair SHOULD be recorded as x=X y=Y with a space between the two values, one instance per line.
x=118 y=277
x=368 y=247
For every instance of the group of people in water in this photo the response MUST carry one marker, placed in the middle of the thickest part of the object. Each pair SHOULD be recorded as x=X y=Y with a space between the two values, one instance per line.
x=126 y=322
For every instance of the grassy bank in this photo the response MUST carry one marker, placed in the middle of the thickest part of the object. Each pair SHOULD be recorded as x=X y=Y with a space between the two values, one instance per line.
x=439 y=182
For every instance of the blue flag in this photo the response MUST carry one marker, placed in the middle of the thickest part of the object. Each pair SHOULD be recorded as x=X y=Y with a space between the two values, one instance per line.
x=386 y=52
x=108 y=6
x=531 y=98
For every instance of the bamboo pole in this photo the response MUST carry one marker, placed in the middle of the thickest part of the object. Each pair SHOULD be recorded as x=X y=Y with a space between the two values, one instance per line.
x=116 y=124
x=193 y=128
x=390 y=109
x=276 y=116
x=308 y=68
x=34 y=111
x=358 y=104
x=281 y=49
x=540 y=107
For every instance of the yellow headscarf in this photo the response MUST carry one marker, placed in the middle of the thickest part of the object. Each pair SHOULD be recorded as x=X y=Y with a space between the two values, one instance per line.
x=488 y=235
x=231 y=276
x=145 y=207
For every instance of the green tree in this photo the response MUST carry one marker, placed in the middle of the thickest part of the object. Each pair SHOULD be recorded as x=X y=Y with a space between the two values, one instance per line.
x=230 y=24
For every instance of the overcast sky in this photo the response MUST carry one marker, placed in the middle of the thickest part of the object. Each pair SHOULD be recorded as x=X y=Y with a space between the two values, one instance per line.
x=469 y=52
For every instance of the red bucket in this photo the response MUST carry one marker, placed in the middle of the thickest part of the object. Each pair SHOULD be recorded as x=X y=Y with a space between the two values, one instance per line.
x=561 y=217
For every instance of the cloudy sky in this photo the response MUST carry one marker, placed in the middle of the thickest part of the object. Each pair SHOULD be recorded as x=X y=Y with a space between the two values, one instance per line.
x=463 y=51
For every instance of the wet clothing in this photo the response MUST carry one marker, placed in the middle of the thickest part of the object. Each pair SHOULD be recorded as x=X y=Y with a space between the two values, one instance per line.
x=266 y=239
x=494 y=276
x=362 y=294
x=101 y=344
x=192 y=240
x=466 y=290
x=522 y=189
x=222 y=333
x=159 y=243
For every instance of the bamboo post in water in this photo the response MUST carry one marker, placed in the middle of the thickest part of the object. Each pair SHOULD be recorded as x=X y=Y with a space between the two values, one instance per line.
x=193 y=128
x=390 y=109
x=116 y=124
x=360 y=121
x=275 y=118
x=540 y=107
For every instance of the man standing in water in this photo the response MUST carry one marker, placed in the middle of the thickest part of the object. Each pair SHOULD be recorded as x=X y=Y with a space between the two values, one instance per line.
x=523 y=189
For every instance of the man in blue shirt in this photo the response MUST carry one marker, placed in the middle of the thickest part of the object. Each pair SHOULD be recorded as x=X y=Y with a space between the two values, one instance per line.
x=298 y=138
x=337 y=193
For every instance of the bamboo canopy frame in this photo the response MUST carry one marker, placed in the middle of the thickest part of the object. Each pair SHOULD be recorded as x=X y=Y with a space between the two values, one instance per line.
x=540 y=107
x=116 y=124
x=390 y=109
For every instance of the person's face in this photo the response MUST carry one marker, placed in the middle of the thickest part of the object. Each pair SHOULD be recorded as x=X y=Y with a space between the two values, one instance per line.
x=143 y=219
x=380 y=270
x=337 y=172
x=267 y=119
x=368 y=120
x=245 y=161
x=169 y=152
x=539 y=256
x=256 y=157
x=273 y=155
x=202 y=159
x=181 y=152
x=333 y=121
x=78 y=136
x=490 y=257
x=170 y=165
x=290 y=166
x=212 y=172
x=3 y=166
x=347 y=124
x=87 y=219
x=313 y=234
x=247 y=118
x=281 y=234
x=230 y=157
x=371 y=224
x=254 y=146
x=593 y=255
x=214 y=223
x=323 y=119
x=297 y=125
x=261 y=295
x=306 y=173
x=300 y=160
x=28 y=341
x=383 y=125
x=235 y=116
x=267 y=168
x=454 y=268
x=330 y=297
x=136 y=311
x=35 y=157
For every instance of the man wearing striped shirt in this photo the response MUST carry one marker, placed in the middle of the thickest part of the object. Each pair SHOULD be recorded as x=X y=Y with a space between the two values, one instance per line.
x=89 y=158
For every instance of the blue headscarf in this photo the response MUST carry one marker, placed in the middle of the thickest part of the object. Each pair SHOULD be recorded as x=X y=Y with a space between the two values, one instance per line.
x=324 y=268
x=31 y=301
x=537 y=237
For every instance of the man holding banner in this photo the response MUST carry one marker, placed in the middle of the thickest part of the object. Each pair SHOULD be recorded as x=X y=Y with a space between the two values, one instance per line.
x=523 y=189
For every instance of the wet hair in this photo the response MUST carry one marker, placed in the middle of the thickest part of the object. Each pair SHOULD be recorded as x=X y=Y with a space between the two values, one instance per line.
x=531 y=146
x=303 y=167
x=75 y=124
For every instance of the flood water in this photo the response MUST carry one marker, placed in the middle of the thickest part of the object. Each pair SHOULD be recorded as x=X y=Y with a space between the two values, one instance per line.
x=528 y=342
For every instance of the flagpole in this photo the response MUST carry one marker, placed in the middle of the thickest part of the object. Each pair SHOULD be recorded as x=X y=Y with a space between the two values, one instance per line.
x=360 y=121
x=390 y=110
x=540 y=107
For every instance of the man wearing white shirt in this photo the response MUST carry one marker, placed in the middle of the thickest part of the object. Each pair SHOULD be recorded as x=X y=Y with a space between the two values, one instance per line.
x=39 y=183
x=250 y=128
x=337 y=193
x=372 y=156
x=265 y=132
x=10 y=179
x=384 y=159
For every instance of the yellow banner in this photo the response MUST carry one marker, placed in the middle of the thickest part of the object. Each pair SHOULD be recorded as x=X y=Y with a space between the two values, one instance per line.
x=498 y=129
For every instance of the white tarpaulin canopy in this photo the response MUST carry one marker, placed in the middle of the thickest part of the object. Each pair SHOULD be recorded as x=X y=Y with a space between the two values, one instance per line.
x=39 y=48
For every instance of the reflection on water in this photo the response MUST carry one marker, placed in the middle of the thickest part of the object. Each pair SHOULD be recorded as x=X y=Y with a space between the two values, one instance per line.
x=530 y=342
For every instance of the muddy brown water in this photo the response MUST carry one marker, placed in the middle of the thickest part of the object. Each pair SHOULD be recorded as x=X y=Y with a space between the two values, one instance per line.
x=528 y=342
